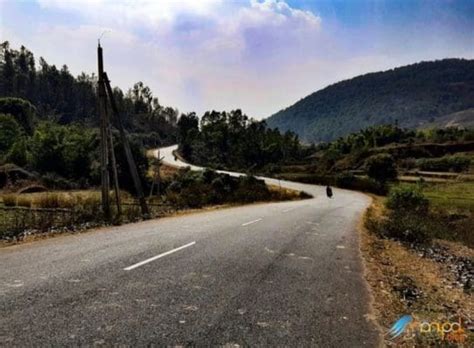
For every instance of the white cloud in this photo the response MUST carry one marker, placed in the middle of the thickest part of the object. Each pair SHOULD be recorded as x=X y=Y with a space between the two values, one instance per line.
x=197 y=55
x=130 y=11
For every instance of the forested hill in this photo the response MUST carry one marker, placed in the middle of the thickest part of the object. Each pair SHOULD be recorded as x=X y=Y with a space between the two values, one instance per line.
x=412 y=96
x=54 y=94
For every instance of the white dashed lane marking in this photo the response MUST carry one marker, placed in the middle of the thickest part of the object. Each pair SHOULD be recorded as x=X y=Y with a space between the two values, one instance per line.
x=144 y=262
x=251 y=222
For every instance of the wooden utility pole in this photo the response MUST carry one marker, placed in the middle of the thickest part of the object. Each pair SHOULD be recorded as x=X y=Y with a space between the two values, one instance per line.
x=114 y=173
x=104 y=158
x=126 y=145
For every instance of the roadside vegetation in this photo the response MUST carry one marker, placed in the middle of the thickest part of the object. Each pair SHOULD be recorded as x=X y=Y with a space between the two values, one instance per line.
x=49 y=125
x=180 y=189
x=419 y=259
x=418 y=247
x=49 y=142
x=413 y=216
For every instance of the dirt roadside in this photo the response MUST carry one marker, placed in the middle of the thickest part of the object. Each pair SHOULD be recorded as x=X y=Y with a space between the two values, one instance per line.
x=405 y=280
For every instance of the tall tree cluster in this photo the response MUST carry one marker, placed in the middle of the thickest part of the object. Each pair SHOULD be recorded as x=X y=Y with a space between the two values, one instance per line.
x=55 y=92
x=59 y=96
x=232 y=140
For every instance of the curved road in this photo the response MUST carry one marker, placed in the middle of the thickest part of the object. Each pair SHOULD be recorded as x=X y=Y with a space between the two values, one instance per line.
x=286 y=273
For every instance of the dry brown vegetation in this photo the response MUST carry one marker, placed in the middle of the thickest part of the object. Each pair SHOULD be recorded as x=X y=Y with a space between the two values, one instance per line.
x=71 y=210
x=404 y=282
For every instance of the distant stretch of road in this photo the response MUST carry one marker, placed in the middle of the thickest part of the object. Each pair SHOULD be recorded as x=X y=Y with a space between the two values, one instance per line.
x=287 y=273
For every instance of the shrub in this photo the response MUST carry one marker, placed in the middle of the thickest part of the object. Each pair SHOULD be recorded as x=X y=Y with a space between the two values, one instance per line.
x=18 y=153
x=409 y=218
x=352 y=182
x=345 y=180
x=407 y=199
x=57 y=182
x=305 y=195
x=251 y=189
x=381 y=167
x=455 y=163
x=88 y=206
x=369 y=185
x=174 y=187
x=209 y=175
x=132 y=212
x=23 y=111
x=409 y=227
x=9 y=131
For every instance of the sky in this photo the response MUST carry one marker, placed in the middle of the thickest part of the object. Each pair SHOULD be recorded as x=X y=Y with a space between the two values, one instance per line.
x=256 y=55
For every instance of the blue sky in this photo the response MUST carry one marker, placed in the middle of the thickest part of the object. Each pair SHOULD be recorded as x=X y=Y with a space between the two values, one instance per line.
x=257 y=55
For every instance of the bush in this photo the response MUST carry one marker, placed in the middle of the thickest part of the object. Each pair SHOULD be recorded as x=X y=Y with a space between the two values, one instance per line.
x=407 y=199
x=455 y=163
x=369 y=185
x=352 y=182
x=381 y=167
x=305 y=195
x=251 y=189
x=9 y=131
x=209 y=175
x=23 y=111
x=345 y=180
x=67 y=151
x=57 y=182
x=88 y=206
x=409 y=227
x=18 y=153
x=408 y=219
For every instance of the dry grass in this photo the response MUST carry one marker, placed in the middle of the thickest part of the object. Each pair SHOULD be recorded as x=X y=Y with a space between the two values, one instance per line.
x=389 y=264
x=58 y=199
x=282 y=193
x=9 y=200
x=168 y=172
x=23 y=201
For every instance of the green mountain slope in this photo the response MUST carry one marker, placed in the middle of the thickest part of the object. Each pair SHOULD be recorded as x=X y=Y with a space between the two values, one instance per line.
x=412 y=96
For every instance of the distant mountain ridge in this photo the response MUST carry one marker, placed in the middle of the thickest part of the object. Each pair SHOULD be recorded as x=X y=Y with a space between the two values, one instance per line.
x=411 y=96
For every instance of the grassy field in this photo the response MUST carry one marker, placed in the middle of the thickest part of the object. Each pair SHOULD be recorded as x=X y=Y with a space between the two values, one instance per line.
x=453 y=209
x=449 y=195
x=452 y=195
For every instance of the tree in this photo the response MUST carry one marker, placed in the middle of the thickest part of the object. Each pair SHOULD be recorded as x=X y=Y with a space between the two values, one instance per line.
x=19 y=153
x=188 y=130
x=7 y=70
x=381 y=167
x=59 y=96
x=22 y=110
x=10 y=130
x=232 y=140
x=47 y=148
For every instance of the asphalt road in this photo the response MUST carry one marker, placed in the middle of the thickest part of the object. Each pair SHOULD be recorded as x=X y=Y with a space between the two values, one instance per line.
x=285 y=273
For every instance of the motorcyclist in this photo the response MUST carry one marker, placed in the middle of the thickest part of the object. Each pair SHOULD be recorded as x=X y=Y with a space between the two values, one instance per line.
x=329 y=191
